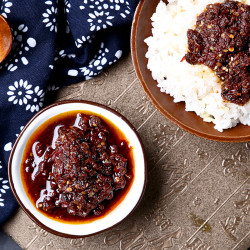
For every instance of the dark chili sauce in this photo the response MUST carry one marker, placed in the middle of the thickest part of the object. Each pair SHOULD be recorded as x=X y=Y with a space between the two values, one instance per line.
x=77 y=167
x=221 y=41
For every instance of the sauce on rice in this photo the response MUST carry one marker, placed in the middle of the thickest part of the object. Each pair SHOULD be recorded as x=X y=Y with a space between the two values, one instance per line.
x=220 y=41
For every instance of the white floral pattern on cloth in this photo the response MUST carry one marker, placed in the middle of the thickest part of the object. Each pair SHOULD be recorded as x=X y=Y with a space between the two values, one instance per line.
x=96 y=65
x=100 y=17
x=20 y=48
x=37 y=100
x=61 y=54
x=21 y=93
x=67 y=6
x=3 y=188
x=52 y=87
x=1 y=201
x=124 y=7
x=100 y=20
x=8 y=146
x=1 y=165
x=5 y=8
x=121 y=6
x=50 y=16
x=80 y=41
x=118 y=55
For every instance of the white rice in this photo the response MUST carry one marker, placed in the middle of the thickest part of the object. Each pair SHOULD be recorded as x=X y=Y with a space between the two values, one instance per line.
x=197 y=85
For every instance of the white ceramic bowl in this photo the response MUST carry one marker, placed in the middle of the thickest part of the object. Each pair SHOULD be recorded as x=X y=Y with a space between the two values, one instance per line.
x=128 y=204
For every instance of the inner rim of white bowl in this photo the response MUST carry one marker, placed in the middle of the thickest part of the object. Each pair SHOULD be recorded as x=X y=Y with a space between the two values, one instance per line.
x=112 y=218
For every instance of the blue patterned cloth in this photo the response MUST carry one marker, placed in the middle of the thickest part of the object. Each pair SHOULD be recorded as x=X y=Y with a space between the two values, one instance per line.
x=55 y=43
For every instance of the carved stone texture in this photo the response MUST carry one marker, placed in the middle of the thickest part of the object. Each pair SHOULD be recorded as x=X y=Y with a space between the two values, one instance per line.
x=197 y=194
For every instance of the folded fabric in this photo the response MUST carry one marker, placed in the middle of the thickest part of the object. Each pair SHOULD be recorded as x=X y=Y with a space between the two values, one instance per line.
x=55 y=43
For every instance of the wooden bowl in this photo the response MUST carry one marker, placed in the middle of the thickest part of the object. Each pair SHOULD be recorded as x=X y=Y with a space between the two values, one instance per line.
x=175 y=112
x=5 y=38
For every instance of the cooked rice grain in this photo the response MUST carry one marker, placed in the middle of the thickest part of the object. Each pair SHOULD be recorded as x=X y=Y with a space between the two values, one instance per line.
x=197 y=85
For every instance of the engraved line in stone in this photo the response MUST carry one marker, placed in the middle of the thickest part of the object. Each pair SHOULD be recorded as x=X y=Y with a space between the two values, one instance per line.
x=241 y=240
x=206 y=166
x=146 y=120
x=194 y=178
x=170 y=149
x=212 y=215
x=125 y=90
x=30 y=243
x=167 y=152
x=199 y=174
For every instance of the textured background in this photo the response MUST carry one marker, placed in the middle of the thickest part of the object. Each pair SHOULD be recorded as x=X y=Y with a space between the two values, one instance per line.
x=198 y=191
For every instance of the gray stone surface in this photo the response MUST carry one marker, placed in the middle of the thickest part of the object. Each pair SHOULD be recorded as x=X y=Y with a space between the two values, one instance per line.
x=198 y=191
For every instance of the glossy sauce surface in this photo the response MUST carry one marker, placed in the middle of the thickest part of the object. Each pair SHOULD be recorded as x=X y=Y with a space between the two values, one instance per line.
x=77 y=167
x=221 y=41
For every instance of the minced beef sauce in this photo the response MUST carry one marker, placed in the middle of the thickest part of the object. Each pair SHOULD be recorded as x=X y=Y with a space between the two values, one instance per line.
x=77 y=166
x=221 y=41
